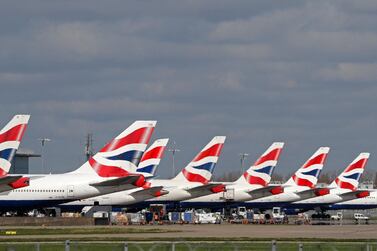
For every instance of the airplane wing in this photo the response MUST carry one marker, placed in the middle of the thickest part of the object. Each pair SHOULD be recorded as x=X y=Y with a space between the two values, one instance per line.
x=11 y=182
x=354 y=195
x=127 y=180
x=311 y=193
x=265 y=191
x=149 y=193
x=206 y=189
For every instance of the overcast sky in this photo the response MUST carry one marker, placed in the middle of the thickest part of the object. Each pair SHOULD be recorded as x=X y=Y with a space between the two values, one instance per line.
x=302 y=72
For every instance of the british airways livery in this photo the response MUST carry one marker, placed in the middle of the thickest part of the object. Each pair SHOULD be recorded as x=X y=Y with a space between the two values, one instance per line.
x=112 y=169
x=147 y=166
x=10 y=139
x=251 y=185
x=194 y=179
x=343 y=188
x=300 y=186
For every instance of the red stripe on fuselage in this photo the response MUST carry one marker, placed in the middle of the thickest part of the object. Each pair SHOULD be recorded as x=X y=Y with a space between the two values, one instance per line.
x=192 y=177
x=107 y=171
x=2 y=172
x=345 y=185
x=302 y=182
x=254 y=180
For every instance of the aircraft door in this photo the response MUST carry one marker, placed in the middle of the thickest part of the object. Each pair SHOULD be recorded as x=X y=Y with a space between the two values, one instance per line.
x=70 y=191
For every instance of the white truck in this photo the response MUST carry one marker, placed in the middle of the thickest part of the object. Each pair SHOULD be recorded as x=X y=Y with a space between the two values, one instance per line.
x=359 y=217
x=277 y=215
x=337 y=217
x=207 y=218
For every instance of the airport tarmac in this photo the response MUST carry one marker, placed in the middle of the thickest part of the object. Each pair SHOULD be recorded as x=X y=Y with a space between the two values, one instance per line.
x=226 y=232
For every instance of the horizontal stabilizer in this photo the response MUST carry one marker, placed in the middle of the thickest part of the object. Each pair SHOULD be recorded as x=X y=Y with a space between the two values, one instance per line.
x=265 y=191
x=9 y=179
x=207 y=189
x=149 y=193
x=127 y=180
x=314 y=192
x=354 y=195
x=8 y=183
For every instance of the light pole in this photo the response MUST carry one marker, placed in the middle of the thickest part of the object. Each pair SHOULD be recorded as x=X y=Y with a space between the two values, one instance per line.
x=243 y=156
x=173 y=150
x=43 y=142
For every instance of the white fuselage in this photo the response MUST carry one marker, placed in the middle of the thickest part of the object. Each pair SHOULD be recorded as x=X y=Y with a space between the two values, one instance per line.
x=176 y=192
x=239 y=194
x=53 y=189
x=366 y=202
x=111 y=199
x=332 y=197
x=289 y=195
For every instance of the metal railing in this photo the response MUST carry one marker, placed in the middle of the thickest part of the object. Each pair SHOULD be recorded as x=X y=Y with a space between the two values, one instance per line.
x=189 y=246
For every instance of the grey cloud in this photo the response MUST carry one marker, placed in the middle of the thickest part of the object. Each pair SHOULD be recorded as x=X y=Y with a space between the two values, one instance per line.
x=256 y=71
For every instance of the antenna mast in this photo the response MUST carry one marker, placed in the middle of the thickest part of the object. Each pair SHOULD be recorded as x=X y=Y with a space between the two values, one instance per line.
x=89 y=146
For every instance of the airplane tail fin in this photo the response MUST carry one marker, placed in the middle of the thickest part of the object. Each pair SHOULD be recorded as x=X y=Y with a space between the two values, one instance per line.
x=201 y=168
x=308 y=174
x=10 y=139
x=349 y=178
x=260 y=172
x=152 y=157
x=121 y=156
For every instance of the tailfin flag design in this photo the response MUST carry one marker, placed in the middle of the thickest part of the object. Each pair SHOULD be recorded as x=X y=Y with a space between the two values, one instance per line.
x=260 y=172
x=152 y=157
x=349 y=178
x=201 y=168
x=10 y=139
x=121 y=156
x=308 y=174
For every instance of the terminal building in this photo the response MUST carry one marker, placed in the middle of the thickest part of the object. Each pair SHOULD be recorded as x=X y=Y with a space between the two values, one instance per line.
x=20 y=163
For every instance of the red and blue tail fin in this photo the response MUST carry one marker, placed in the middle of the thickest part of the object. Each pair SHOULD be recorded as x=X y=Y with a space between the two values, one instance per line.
x=122 y=155
x=308 y=174
x=260 y=172
x=349 y=178
x=201 y=168
x=10 y=139
x=152 y=157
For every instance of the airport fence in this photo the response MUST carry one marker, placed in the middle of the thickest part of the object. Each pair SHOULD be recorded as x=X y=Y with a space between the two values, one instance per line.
x=189 y=246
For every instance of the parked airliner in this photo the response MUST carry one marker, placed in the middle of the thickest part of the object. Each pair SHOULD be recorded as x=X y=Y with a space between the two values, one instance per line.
x=253 y=184
x=301 y=185
x=343 y=188
x=194 y=179
x=10 y=139
x=112 y=169
x=148 y=165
